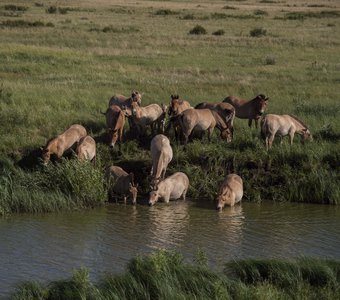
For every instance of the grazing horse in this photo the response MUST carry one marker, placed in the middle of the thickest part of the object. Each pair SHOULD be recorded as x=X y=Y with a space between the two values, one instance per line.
x=149 y=115
x=225 y=110
x=86 y=149
x=115 y=121
x=282 y=125
x=57 y=146
x=251 y=110
x=231 y=191
x=123 y=183
x=176 y=107
x=161 y=154
x=201 y=120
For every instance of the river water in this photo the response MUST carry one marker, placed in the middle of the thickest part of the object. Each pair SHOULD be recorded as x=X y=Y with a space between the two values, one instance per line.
x=50 y=246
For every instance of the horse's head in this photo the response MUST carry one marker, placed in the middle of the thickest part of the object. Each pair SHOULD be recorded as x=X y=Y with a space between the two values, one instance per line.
x=174 y=105
x=261 y=103
x=136 y=97
x=222 y=199
x=46 y=155
x=227 y=134
x=306 y=135
x=113 y=137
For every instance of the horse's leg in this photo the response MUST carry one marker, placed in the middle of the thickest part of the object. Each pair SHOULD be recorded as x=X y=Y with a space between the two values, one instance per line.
x=291 y=136
x=249 y=122
x=210 y=131
x=256 y=123
x=270 y=141
x=267 y=143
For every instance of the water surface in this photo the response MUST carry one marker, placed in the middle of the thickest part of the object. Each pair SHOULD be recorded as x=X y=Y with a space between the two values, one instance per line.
x=49 y=247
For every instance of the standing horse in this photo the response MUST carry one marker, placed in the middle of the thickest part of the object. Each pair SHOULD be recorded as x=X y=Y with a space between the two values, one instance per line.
x=282 y=125
x=176 y=107
x=251 y=110
x=151 y=115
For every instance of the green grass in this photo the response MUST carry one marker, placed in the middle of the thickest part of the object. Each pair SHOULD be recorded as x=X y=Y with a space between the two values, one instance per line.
x=165 y=275
x=51 y=78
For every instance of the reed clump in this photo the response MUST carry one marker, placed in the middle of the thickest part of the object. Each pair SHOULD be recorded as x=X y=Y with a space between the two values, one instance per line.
x=165 y=275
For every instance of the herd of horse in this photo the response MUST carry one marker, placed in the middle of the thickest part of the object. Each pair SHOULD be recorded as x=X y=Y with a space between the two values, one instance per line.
x=186 y=121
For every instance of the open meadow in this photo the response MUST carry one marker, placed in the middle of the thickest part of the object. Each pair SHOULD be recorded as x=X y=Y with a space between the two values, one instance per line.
x=61 y=63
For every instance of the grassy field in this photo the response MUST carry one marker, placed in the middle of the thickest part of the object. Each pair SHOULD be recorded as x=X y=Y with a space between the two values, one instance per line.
x=164 y=275
x=60 y=64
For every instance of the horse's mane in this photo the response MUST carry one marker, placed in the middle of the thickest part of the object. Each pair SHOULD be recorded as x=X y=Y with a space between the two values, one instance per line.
x=298 y=120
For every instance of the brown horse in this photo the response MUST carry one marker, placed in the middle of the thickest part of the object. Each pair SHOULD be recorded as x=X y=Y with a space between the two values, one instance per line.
x=251 y=110
x=202 y=120
x=225 y=110
x=123 y=183
x=176 y=107
x=122 y=101
x=57 y=146
x=115 y=121
x=282 y=125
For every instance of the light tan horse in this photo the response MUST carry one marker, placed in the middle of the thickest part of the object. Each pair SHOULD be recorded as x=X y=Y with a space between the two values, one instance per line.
x=176 y=107
x=282 y=125
x=251 y=110
x=115 y=121
x=173 y=187
x=225 y=110
x=86 y=149
x=68 y=139
x=231 y=191
x=150 y=115
x=123 y=183
x=161 y=154
x=203 y=120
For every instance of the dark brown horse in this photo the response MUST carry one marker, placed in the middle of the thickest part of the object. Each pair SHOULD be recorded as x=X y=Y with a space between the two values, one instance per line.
x=251 y=110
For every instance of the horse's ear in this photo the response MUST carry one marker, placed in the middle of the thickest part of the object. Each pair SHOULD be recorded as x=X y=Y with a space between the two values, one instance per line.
x=41 y=148
x=267 y=98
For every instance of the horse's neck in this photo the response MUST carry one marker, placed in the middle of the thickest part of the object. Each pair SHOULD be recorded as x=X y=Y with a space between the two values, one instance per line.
x=52 y=145
x=220 y=123
x=298 y=125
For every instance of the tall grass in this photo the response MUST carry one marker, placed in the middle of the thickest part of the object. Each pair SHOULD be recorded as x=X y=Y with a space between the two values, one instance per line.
x=165 y=275
x=65 y=186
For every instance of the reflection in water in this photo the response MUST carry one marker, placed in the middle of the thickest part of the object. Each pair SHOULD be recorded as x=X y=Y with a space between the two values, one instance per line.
x=50 y=247
x=168 y=224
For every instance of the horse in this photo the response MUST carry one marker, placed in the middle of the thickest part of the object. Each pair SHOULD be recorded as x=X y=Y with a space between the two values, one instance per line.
x=176 y=107
x=161 y=154
x=86 y=149
x=122 y=101
x=231 y=191
x=282 y=125
x=115 y=121
x=123 y=183
x=225 y=110
x=251 y=110
x=148 y=115
x=201 y=120
x=64 y=141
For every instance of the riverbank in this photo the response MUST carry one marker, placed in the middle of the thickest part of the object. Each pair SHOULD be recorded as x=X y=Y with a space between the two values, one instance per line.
x=301 y=173
x=55 y=75
x=165 y=275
